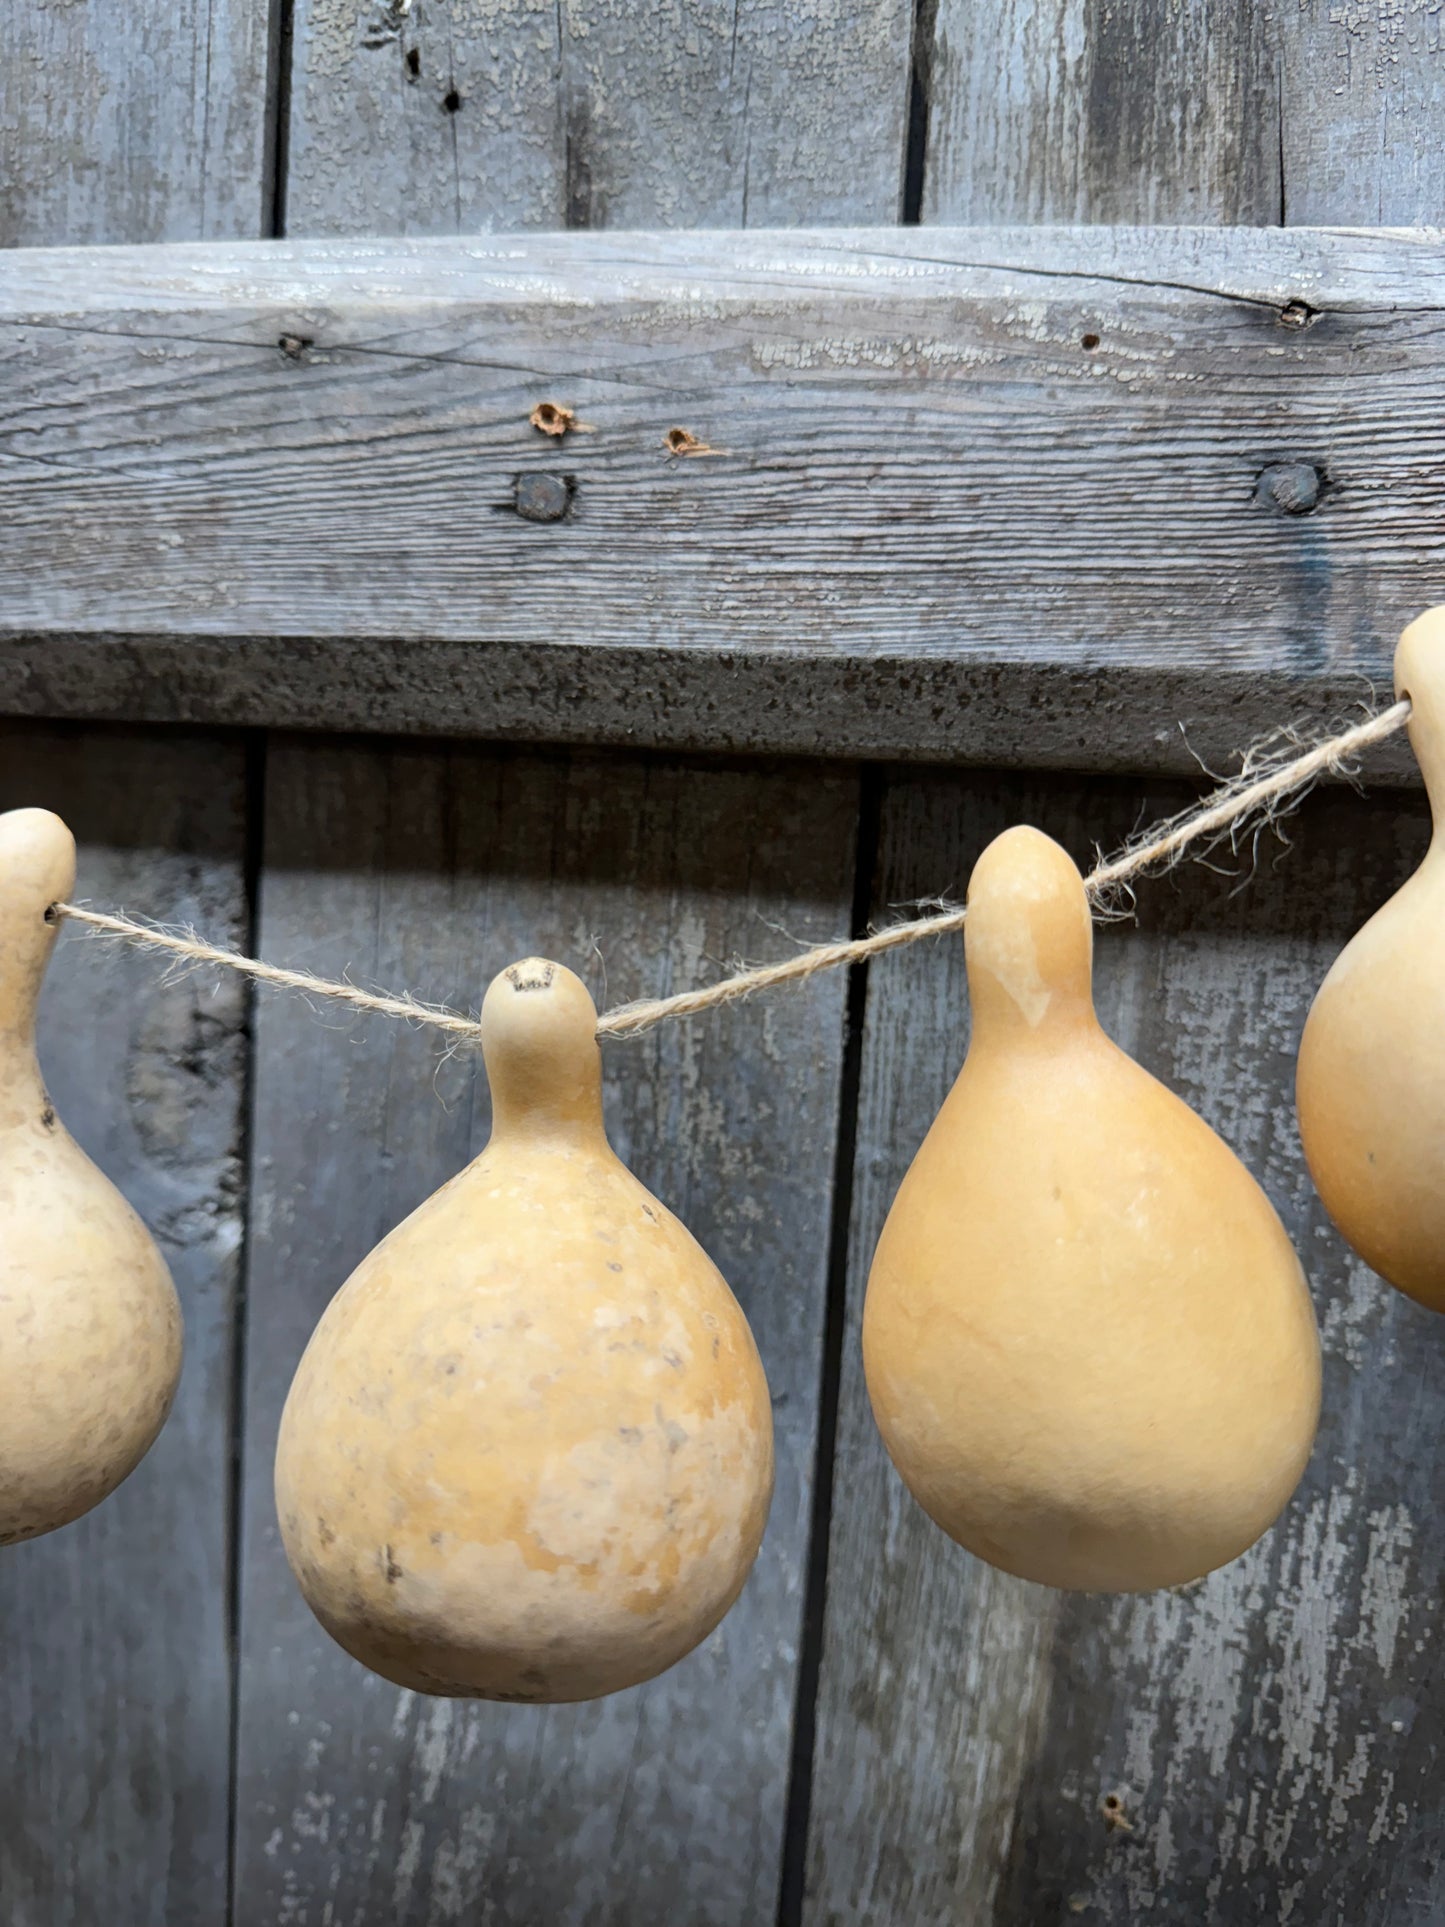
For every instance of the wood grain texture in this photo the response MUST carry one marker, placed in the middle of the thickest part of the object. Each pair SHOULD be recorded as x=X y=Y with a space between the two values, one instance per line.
x=1271 y=1732
x=437 y=867
x=115 y=1691
x=1220 y=111
x=1362 y=83
x=1102 y=110
x=143 y=122
x=929 y=494
x=464 y=116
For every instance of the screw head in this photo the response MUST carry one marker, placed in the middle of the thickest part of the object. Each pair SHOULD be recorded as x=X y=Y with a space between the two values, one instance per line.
x=542 y=498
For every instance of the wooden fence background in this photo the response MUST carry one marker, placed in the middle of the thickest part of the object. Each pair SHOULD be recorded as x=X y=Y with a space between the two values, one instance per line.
x=883 y=1731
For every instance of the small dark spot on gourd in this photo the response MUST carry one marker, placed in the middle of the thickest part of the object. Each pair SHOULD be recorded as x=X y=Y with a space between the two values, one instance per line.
x=392 y=1569
x=325 y=1533
x=47 y=1118
x=539 y=977
x=612 y=1265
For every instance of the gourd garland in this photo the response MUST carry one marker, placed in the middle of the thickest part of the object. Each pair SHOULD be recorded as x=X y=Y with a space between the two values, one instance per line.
x=528 y=1453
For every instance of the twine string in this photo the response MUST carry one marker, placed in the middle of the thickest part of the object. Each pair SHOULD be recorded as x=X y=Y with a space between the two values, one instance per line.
x=1270 y=782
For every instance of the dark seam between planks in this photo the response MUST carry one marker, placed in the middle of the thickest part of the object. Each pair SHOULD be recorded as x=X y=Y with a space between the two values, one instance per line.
x=275 y=165
x=798 y=1809
x=252 y=867
x=920 y=108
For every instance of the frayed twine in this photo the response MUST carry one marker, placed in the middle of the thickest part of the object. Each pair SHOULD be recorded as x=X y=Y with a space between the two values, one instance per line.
x=1274 y=776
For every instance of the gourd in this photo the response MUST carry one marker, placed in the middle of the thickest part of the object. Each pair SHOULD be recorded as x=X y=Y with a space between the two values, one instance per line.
x=1088 y=1342
x=527 y=1454
x=1370 y=1085
x=90 y=1327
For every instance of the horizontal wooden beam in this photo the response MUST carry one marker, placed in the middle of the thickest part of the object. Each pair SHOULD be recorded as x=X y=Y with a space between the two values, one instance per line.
x=1075 y=497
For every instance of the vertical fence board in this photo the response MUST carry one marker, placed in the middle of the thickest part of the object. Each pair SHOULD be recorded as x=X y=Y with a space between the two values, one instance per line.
x=140 y=122
x=1101 y=110
x=451 y=118
x=1269 y=1731
x=115 y=1689
x=1122 y=110
x=1361 y=89
x=434 y=867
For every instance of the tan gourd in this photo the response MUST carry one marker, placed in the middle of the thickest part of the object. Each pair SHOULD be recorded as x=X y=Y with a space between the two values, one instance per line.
x=1088 y=1342
x=1371 y=1078
x=528 y=1452
x=90 y=1329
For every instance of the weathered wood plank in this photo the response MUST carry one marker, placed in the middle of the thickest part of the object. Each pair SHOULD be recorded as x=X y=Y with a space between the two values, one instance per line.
x=435 y=867
x=1359 y=85
x=1102 y=110
x=145 y=122
x=1271 y=1731
x=1122 y=110
x=935 y=501
x=115 y=1690
x=452 y=118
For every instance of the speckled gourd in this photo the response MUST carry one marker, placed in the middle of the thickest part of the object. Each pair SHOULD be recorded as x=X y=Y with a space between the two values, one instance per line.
x=90 y=1328
x=1370 y=1085
x=527 y=1454
x=1088 y=1342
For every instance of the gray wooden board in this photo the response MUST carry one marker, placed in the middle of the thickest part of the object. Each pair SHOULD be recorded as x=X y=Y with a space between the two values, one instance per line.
x=142 y=122
x=1360 y=83
x=435 y=867
x=934 y=499
x=115 y=1688
x=1102 y=110
x=452 y=117
x=1272 y=1733
x=1123 y=110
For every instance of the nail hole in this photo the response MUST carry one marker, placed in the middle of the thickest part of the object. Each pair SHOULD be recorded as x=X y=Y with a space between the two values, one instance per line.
x=552 y=417
x=413 y=61
x=1112 y=1802
x=1297 y=314
x=682 y=441
x=293 y=346
x=452 y=101
x=1089 y=341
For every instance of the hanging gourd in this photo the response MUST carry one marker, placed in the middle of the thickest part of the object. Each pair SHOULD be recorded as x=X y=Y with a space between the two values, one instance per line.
x=90 y=1328
x=1088 y=1342
x=527 y=1454
x=1371 y=1078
